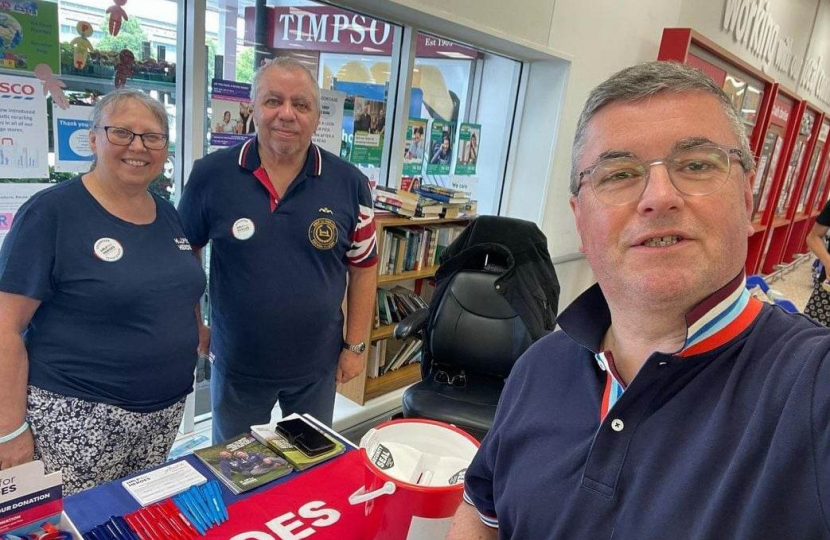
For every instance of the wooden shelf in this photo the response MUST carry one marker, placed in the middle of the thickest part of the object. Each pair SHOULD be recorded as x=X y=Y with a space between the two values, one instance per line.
x=395 y=221
x=780 y=221
x=393 y=380
x=404 y=276
x=800 y=217
x=384 y=331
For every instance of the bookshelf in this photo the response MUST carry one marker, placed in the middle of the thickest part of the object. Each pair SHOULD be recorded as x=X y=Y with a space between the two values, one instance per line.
x=362 y=388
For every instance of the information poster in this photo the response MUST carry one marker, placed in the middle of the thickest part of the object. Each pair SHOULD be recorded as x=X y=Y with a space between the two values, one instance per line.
x=440 y=147
x=24 y=138
x=369 y=126
x=469 y=139
x=12 y=197
x=29 y=35
x=232 y=113
x=71 y=130
x=413 y=156
x=329 y=132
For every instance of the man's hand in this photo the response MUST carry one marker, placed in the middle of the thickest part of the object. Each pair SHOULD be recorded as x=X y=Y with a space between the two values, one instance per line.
x=349 y=366
x=17 y=451
x=204 y=341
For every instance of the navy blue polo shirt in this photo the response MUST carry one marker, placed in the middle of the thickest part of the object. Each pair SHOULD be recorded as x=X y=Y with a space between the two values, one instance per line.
x=278 y=264
x=727 y=439
x=116 y=323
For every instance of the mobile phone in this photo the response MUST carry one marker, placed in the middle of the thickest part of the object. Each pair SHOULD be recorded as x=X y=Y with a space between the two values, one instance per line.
x=308 y=440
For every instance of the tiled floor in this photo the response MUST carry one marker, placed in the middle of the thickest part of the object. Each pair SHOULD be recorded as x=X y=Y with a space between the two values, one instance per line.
x=796 y=284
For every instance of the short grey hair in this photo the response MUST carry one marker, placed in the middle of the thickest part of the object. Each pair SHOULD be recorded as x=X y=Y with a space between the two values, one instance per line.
x=288 y=64
x=116 y=97
x=643 y=81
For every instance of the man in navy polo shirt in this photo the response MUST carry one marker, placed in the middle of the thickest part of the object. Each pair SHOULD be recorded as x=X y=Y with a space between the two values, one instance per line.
x=289 y=222
x=672 y=405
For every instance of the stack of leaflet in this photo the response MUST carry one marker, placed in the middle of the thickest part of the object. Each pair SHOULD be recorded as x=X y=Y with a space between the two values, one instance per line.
x=451 y=199
x=266 y=434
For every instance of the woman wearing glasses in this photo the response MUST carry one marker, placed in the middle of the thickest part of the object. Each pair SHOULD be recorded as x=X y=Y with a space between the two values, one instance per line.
x=98 y=286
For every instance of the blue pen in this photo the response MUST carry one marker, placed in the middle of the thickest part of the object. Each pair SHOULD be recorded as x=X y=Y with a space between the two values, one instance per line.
x=188 y=511
x=205 y=497
x=217 y=495
x=104 y=532
x=210 y=495
x=112 y=529
x=200 y=506
x=123 y=527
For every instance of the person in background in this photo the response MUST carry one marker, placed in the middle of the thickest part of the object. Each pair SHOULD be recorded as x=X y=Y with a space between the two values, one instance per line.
x=289 y=223
x=98 y=333
x=672 y=404
x=818 y=306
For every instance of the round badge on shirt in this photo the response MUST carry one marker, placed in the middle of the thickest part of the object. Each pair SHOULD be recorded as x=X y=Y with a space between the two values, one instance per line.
x=108 y=249
x=243 y=229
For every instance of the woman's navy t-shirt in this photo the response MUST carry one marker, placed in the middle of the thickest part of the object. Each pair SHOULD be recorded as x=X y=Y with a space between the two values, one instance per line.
x=116 y=324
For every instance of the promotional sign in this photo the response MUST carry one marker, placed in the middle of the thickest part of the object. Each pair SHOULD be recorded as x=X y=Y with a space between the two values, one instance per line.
x=329 y=131
x=440 y=148
x=331 y=29
x=413 y=154
x=12 y=197
x=71 y=130
x=369 y=128
x=28 y=498
x=469 y=139
x=29 y=35
x=232 y=121
x=23 y=133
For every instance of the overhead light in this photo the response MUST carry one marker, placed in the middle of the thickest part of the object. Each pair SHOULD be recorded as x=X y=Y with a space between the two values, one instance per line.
x=453 y=54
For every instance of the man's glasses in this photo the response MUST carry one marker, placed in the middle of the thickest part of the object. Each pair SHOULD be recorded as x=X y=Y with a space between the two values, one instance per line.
x=698 y=170
x=457 y=379
x=123 y=137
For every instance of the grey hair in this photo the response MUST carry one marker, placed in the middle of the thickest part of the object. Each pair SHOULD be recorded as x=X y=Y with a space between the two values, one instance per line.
x=120 y=95
x=288 y=64
x=116 y=97
x=643 y=81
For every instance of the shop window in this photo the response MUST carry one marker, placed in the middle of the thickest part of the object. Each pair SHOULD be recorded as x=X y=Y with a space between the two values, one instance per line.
x=76 y=42
x=462 y=104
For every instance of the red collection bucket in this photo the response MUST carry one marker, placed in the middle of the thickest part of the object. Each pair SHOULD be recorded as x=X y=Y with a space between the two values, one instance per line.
x=414 y=478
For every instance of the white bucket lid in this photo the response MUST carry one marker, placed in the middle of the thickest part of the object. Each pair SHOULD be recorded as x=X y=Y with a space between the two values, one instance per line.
x=420 y=453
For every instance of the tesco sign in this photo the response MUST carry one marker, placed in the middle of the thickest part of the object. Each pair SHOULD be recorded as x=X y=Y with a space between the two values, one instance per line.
x=21 y=89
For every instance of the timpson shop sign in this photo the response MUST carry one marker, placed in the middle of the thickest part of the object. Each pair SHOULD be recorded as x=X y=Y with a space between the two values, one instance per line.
x=752 y=26
x=329 y=29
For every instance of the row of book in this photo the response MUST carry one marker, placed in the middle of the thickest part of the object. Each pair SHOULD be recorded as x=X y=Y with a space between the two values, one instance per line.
x=390 y=354
x=396 y=304
x=254 y=459
x=427 y=201
x=413 y=248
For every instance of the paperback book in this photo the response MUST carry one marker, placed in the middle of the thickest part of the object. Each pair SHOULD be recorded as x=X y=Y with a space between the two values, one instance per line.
x=243 y=463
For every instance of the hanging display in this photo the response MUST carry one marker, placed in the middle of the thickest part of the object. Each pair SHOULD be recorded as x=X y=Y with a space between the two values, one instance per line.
x=81 y=47
x=117 y=15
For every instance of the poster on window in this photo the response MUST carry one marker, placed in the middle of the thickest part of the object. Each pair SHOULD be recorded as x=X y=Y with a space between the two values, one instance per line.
x=469 y=138
x=232 y=119
x=369 y=128
x=413 y=153
x=24 y=137
x=440 y=147
x=29 y=35
x=12 y=197
x=329 y=131
x=71 y=130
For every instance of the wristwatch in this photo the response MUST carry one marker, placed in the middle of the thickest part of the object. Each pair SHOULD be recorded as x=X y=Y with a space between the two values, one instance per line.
x=357 y=348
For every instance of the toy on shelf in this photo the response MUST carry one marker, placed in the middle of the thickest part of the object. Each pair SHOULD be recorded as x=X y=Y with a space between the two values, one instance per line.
x=124 y=67
x=52 y=85
x=81 y=46
x=117 y=14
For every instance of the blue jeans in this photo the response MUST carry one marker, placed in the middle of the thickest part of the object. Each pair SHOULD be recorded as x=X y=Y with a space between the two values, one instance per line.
x=241 y=402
